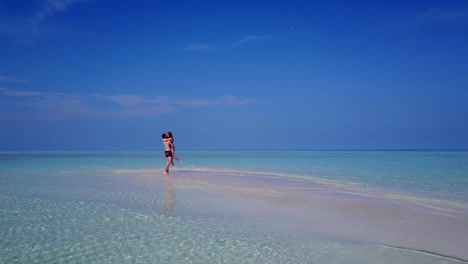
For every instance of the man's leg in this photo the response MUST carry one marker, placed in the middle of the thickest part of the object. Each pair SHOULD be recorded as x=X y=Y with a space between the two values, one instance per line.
x=168 y=163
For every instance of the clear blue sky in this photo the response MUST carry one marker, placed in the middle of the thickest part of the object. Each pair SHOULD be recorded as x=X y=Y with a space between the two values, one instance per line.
x=111 y=75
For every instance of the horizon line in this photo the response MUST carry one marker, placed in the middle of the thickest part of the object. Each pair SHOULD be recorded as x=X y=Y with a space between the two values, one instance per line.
x=240 y=149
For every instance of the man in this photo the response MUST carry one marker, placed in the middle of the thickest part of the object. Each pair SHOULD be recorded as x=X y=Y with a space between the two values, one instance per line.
x=168 y=150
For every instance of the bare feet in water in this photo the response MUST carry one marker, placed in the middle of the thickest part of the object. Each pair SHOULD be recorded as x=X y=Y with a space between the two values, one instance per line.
x=180 y=161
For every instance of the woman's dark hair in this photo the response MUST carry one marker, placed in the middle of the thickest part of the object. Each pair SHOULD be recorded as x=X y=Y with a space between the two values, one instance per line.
x=169 y=134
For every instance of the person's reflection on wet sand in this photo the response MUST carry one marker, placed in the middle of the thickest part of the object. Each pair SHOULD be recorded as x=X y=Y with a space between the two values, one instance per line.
x=169 y=196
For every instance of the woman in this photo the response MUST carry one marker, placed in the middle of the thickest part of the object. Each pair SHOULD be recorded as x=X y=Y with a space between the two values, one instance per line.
x=171 y=139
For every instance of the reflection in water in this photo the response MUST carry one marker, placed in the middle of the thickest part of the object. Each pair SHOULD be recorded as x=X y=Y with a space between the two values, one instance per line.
x=169 y=196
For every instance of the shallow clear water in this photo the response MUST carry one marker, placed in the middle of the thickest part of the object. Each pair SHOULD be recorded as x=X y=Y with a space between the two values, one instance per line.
x=432 y=172
x=69 y=207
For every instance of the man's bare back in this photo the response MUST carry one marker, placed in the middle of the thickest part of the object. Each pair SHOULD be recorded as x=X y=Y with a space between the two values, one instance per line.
x=167 y=144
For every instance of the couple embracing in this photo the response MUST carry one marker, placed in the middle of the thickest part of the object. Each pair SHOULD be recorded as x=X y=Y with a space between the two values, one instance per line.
x=169 y=150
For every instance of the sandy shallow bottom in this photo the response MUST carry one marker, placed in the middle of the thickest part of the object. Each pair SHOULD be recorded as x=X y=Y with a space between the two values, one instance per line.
x=203 y=216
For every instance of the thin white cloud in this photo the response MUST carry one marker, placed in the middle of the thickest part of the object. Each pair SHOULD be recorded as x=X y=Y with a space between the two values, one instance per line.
x=50 y=7
x=225 y=100
x=25 y=27
x=66 y=106
x=441 y=15
x=134 y=99
x=233 y=100
x=18 y=93
x=251 y=39
x=10 y=79
x=198 y=47
x=248 y=39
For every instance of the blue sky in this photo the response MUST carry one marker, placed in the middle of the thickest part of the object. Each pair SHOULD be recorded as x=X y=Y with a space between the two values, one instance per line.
x=115 y=75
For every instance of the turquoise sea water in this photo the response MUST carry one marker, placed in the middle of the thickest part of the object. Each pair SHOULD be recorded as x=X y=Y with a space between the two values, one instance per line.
x=69 y=207
x=432 y=172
